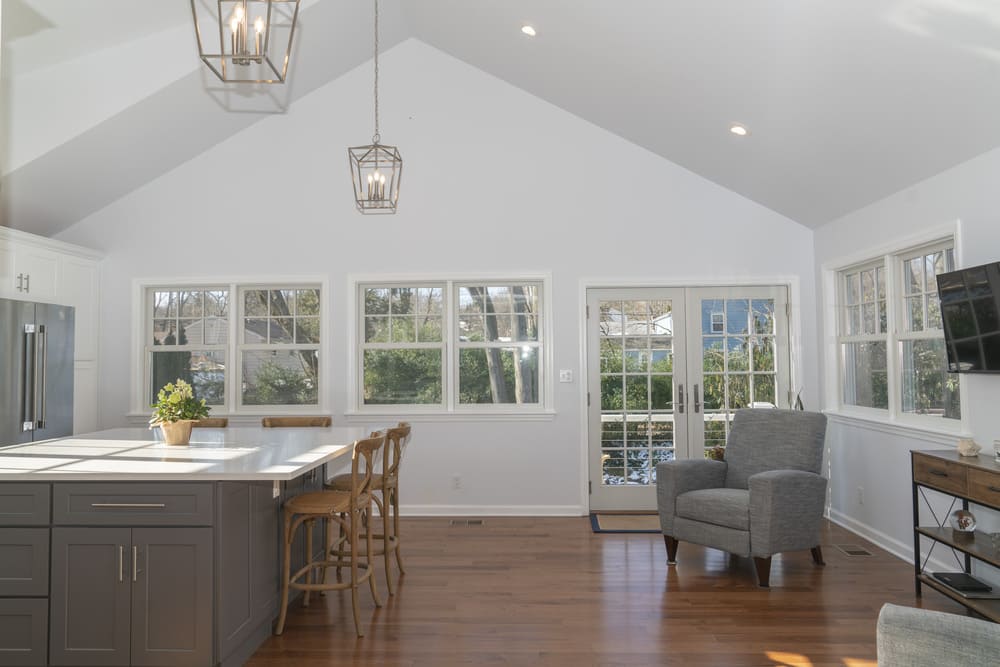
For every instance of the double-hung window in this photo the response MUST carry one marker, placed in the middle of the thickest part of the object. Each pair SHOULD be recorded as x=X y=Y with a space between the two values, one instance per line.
x=451 y=345
x=244 y=348
x=890 y=337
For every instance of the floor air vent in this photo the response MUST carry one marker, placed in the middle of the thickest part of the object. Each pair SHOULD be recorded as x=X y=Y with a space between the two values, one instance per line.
x=853 y=550
x=466 y=522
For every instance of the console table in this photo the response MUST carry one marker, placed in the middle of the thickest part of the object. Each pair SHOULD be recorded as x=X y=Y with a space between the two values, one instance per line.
x=969 y=480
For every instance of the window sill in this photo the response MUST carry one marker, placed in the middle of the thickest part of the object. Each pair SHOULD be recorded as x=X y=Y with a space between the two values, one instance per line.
x=947 y=437
x=423 y=416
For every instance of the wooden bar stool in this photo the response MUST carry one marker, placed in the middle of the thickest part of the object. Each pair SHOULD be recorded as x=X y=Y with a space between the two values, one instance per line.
x=387 y=500
x=283 y=422
x=212 y=422
x=351 y=509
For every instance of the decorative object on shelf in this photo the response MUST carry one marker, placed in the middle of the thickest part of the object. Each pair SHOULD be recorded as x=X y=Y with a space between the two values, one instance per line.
x=376 y=169
x=963 y=524
x=968 y=447
x=255 y=38
x=996 y=451
x=175 y=412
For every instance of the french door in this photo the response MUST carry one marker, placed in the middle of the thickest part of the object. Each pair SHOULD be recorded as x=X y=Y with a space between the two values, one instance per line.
x=667 y=369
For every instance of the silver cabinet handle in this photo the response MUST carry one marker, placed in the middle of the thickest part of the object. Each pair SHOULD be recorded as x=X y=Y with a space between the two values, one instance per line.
x=680 y=399
x=43 y=354
x=697 y=403
x=158 y=506
x=27 y=282
x=135 y=563
x=20 y=282
x=121 y=563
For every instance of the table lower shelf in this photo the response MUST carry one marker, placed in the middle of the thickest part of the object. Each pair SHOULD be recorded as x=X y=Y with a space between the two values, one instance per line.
x=988 y=608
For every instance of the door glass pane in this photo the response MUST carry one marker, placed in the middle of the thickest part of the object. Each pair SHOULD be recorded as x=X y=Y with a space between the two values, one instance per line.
x=636 y=366
x=739 y=365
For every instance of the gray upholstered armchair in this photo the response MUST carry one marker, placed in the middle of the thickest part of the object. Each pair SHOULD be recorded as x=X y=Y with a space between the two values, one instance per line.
x=923 y=638
x=767 y=497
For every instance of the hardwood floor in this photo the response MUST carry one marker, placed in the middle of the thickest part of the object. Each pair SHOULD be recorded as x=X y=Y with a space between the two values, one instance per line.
x=548 y=591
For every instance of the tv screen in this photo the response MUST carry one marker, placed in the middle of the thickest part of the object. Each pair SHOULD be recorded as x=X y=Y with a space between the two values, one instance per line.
x=970 y=310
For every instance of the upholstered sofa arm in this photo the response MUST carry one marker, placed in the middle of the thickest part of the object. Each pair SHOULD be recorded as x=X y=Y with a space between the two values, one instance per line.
x=924 y=638
x=676 y=477
x=785 y=508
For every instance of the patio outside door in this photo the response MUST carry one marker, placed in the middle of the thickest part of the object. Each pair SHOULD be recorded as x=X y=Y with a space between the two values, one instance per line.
x=667 y=368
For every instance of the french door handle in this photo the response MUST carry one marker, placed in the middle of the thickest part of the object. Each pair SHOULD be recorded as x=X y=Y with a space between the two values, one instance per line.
x=680 y=399
x=697 y=403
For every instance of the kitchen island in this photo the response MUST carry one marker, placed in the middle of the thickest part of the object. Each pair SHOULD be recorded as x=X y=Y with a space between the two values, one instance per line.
x=158 y=554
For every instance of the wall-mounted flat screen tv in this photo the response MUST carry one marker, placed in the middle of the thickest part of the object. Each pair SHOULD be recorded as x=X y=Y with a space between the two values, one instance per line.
x=970 y=309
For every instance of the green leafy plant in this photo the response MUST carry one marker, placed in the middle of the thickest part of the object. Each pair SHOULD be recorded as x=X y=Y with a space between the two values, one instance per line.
x=175 y=402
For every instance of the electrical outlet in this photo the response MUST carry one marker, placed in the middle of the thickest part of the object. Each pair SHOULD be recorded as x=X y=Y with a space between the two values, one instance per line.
x=861 y=495
x=456 y=482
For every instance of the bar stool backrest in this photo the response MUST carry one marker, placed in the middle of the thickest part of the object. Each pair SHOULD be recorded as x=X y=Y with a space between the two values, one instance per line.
x=212 y=422
x=398 y=438
x=362 y=466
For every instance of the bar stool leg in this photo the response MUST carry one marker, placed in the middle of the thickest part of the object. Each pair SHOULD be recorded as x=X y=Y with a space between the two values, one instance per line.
x=355 y=519
x=383 y=508
x=369 y=560
x=394 y=492
x=286 y=573
x=310 y=575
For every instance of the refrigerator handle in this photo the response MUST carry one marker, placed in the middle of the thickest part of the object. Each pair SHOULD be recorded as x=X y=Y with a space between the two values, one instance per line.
x=28 y=390
x=43 y=357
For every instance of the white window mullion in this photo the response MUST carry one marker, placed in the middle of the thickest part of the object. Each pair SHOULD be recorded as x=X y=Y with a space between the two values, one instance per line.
x=894 y=318
x=234 y=379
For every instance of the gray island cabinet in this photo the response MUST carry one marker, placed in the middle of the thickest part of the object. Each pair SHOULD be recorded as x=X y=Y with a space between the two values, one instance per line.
x=150 y=572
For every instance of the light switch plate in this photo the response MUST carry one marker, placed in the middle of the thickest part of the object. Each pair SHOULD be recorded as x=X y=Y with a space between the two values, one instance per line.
x=565 y=375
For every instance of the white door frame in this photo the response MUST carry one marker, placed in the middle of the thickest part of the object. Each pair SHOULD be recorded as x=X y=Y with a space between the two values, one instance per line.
x=587 y=283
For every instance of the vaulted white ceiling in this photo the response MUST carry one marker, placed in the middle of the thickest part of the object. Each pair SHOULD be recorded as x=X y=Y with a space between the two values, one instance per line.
x=847 y=101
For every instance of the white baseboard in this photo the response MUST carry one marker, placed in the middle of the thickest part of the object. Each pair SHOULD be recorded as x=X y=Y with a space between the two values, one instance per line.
x=899 y=549
x=492 y=510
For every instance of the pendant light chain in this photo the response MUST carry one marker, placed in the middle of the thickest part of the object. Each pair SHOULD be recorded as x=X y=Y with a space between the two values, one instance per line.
x=376 y=137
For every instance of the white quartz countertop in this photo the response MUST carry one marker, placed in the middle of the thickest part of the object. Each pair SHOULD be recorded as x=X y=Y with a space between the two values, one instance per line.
x=137 y=454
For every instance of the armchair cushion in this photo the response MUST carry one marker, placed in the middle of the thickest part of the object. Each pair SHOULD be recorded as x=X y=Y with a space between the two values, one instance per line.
x=924 y=638
x=676 y=477
x=722 y=507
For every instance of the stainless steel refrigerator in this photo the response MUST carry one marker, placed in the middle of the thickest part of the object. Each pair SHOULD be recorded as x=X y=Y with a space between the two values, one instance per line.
x=36 y=371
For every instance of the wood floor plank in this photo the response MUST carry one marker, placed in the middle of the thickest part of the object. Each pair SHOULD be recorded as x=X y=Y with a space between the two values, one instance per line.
x=548 y=591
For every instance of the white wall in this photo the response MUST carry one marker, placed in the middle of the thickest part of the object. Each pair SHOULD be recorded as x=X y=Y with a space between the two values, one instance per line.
x=872 y=455
x=495 y=180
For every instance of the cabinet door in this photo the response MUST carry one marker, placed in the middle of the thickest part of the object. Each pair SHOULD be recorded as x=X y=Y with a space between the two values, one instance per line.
x=23 y=632
x=24 y=562
x=90 y=597
x=37 y=269
x=8 y=284
x=171 y=597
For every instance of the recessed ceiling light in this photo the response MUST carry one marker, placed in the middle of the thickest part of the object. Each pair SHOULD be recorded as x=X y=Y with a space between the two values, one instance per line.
x=739 y=130
x=528 y=30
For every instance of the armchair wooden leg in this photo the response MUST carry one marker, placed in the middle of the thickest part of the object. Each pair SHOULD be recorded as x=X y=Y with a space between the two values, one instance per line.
x=671 y=543
x=817 y=553
x=763 y=566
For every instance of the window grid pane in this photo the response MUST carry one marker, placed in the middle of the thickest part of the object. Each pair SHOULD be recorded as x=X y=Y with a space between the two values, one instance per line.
x=921 y=383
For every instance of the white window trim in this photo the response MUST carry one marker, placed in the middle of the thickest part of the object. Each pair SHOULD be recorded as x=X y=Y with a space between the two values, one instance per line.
x=449 y=409
x=234 y=284
x=831 y=287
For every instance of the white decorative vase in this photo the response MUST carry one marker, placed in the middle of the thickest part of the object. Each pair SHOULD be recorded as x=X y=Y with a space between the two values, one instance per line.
x=178 y=432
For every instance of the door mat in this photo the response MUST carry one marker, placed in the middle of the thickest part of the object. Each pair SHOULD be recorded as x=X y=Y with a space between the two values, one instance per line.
x=625 y=523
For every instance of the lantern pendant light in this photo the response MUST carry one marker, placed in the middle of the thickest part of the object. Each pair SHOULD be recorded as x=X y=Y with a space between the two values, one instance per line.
x=376 y=169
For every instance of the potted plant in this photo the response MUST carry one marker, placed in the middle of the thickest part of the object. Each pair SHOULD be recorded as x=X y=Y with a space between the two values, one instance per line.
x=175 y=412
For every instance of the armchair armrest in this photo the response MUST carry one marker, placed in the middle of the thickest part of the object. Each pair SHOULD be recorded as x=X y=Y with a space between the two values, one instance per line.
x=923 y=638
x=785 y=510
x=676 y=477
